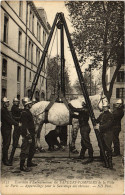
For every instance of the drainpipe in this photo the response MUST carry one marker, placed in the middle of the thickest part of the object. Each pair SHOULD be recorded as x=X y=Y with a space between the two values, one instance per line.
x=25 y=50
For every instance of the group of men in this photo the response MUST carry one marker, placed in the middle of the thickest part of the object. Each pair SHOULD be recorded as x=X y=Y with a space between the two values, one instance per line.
x=22 y=119
x=109 y=129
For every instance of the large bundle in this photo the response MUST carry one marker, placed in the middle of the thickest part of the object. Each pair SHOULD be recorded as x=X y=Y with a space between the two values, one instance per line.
x=58 y=113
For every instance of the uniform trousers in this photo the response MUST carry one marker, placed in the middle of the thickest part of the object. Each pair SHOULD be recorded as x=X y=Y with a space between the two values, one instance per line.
x=27 y=149
x=85 y=140
x=6 y=135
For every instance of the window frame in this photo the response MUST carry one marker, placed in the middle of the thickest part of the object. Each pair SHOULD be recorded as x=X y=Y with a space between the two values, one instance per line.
x=5 y=34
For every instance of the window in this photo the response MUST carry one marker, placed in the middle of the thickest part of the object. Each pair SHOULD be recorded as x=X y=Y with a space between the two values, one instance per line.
x=37 y=30
x=20 y=9
x=37 y=96
x=5 y=35
x=120 y=92
x=29 y=51
x=29 y=93
x=32 y=53
x=39 y=33
x=19 y=41
x=30 y=76
x=33 y=24
x=42 y=96
x=18 y=73
x=120 y=76
x=30 y=19
x=4 y=92
x=36 y=56
x=4 y=68
x=18 y=96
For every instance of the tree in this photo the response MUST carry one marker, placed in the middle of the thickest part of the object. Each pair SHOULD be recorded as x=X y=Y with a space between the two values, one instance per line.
x=54 y=77
x=89 y=83
x=99 y=33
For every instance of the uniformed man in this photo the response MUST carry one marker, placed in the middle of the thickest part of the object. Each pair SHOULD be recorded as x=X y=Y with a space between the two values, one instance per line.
x=51 y=138
x=16 y=114
x=118 y=114
x=105 y=121
x=6 y=129
x=28 y=137
x=84 y=131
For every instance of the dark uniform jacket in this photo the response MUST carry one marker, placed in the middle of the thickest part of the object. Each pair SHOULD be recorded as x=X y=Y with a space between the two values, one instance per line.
x=105 y=120
x=52 y=137
x=83 y=115
x=27 y=123
x=118 y=113
x=16 y=113
x=6 y=119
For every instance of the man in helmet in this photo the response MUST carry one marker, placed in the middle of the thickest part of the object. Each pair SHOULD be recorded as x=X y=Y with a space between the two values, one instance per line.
x=16 y=114
x=6 y=129
x=105 y=121
x=28 y=135
x=84 y=131
x=118 y=114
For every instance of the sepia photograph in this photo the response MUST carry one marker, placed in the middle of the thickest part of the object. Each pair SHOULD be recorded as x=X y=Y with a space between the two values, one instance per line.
x=62 y=97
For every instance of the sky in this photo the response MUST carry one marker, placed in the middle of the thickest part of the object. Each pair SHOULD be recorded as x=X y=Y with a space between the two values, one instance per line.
x=51 y=8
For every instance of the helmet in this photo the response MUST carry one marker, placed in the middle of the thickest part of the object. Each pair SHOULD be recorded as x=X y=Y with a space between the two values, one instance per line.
x=15 y=100
x=26 y=101
x=33 y=100
x=119 y=101
x=105 y=104
x=4 y=100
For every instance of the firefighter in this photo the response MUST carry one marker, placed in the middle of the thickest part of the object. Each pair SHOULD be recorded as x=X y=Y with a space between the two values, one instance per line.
x=105 y=121
x=118 y=114
x=16 y=114
x=6 y=129
x=51 y=138
x=84 y=131
x=28 y=137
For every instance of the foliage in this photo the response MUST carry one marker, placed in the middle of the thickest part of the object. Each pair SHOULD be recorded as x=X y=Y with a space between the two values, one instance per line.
x=54 y=77
x=99 y=33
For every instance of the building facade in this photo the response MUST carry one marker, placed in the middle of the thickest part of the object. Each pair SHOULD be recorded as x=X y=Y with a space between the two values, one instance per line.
x=119 y=84
x=24 y=31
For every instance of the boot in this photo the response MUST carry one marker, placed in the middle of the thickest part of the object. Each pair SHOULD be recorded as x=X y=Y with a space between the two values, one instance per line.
x=82 y=154
x=5 y=159
x=30 y=163
x=110 y=162
x=114 y=154
x=12 y=155
x=22 y=166
x=106 y=165
x=90 y=159
x=73 y=150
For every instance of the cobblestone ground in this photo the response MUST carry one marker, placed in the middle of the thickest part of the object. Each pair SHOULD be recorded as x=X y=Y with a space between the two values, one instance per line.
x=62 y=165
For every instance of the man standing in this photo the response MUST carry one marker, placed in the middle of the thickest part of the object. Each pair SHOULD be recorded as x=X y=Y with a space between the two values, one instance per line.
x=105 y=121
x=6 y=129
x=28 y=137
x=16 y=114
x=84 y=131
x=118 y=114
